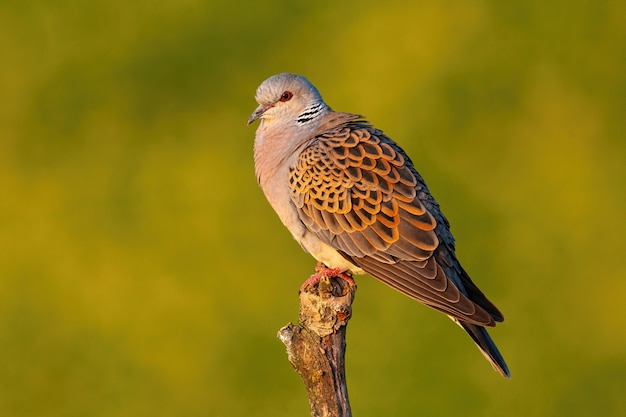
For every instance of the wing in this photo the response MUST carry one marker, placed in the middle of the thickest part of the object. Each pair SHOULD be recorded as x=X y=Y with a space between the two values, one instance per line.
x=359 y=193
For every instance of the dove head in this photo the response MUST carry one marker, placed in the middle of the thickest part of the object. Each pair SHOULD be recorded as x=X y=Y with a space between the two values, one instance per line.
x=288 y=99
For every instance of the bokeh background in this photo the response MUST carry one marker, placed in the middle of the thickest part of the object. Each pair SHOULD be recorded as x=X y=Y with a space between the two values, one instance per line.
x=142 y=273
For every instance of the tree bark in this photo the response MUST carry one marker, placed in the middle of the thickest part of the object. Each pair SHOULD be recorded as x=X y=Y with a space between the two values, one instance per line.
x=316 y=345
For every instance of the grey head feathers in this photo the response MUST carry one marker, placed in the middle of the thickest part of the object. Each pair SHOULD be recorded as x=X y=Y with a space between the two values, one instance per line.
x=288 y=98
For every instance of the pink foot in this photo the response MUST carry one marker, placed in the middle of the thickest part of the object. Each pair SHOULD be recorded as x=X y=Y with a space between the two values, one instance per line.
x=322 y=270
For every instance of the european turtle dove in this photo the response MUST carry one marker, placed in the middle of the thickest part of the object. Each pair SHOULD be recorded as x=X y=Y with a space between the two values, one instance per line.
x=352 y=198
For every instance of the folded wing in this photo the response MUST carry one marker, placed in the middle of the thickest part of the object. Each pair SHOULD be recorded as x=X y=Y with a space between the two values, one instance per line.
x=359 y=193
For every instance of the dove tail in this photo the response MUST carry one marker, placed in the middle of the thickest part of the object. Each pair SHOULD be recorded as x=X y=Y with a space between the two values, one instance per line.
x=487 y=347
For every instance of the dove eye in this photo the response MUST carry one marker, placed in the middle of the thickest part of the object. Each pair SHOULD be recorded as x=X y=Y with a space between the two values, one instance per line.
x=286 y=96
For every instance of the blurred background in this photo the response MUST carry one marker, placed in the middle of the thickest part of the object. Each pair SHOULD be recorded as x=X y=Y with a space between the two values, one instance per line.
x=142 y=272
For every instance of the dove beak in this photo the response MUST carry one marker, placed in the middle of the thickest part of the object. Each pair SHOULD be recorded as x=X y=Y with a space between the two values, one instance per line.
x=257 y=114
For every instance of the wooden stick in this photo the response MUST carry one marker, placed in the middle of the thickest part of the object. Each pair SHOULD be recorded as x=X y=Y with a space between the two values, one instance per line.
x=316 y=346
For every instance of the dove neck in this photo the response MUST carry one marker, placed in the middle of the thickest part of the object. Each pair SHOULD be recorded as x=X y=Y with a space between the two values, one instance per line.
x=278 y=147
x=275 y=150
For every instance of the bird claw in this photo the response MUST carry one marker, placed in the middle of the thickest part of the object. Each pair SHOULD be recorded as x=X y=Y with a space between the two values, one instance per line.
x=322 y=271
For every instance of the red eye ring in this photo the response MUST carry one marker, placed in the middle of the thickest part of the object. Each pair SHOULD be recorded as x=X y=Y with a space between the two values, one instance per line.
x=286 y=96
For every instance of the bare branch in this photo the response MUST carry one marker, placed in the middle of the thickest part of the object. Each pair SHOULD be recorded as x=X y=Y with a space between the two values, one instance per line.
x=316 y=346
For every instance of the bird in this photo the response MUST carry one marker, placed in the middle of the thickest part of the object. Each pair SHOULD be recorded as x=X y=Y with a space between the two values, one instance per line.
x=353 y=199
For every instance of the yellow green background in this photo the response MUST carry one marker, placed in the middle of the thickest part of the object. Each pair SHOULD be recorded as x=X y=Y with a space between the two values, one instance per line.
x=142 y=272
